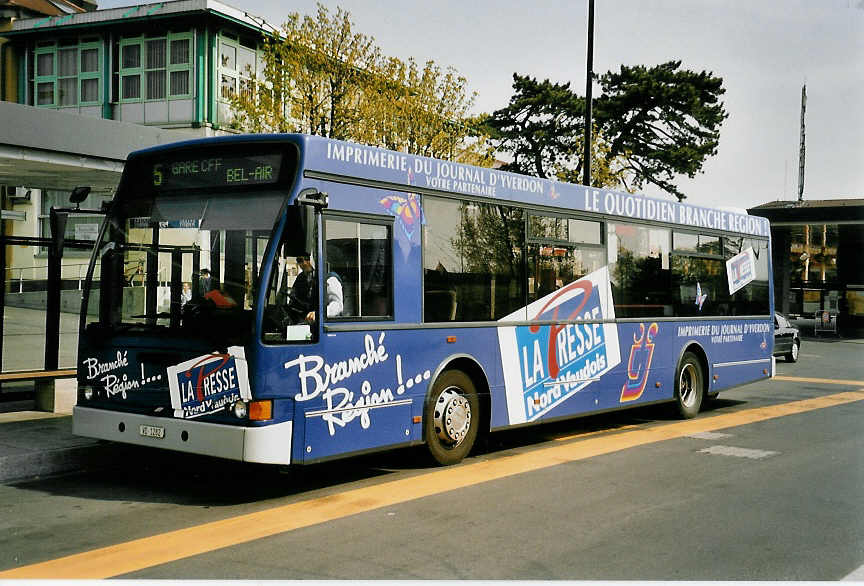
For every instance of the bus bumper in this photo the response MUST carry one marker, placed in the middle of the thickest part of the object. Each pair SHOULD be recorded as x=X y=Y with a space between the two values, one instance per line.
x=270 y=444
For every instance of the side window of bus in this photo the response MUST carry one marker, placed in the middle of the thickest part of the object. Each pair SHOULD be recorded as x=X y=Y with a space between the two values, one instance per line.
x=639 y=269
x=752 y=299
x=561 y=251
x=699 y=281
x=358 y=269
x=472 y=260
x=291 y=305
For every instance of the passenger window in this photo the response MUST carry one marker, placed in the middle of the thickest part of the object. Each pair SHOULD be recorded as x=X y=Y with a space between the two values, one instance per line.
x=292 y=297
x=753 y=298
x=696 y=243
x=639 y=270
x=358 y=269
x=561 y=252
x=472 y=255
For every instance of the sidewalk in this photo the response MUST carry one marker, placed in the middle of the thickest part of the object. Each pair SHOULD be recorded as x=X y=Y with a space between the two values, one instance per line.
x=37 y=444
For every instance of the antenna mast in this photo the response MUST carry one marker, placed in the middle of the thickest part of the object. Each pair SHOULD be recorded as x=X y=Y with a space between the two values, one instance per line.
x=801 y=156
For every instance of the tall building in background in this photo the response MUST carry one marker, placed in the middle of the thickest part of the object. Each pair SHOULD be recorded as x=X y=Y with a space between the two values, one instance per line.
x=80 y=88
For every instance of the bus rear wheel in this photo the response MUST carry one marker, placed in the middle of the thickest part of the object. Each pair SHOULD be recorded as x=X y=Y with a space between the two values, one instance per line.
x=689 y=386
x=451 y=418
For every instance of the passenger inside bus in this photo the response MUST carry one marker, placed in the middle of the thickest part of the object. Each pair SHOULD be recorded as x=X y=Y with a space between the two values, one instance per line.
x=204 y=282
x=303 y=299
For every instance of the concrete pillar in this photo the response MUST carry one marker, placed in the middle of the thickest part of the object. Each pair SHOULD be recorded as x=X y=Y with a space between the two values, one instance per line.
x=56 y=395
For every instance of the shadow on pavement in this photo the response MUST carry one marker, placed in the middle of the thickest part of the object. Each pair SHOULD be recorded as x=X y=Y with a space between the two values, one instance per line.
x=136 y=474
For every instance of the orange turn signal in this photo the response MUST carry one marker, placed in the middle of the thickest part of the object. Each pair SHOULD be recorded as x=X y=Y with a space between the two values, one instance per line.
x=260 y=410
x=451 y=339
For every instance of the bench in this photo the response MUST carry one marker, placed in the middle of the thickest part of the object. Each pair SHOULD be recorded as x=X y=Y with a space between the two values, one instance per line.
x=54 y=391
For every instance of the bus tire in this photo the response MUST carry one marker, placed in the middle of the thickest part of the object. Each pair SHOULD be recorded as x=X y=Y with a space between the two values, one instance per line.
x=451 y=418
x=689 y=386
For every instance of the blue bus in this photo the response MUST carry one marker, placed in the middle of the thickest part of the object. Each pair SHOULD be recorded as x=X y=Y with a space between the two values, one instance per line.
x=306 y=299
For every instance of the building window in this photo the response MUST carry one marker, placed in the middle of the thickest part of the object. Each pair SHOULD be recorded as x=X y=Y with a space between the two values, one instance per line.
x=813 y=253
x=130 y=70
x=69 y=75
x=156 y=68
x=179 y=67
x=155 y=72
x=238 y=62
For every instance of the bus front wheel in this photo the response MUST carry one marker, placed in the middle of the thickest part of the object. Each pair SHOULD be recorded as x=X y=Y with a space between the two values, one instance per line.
x=689 y=386
x=451 y=418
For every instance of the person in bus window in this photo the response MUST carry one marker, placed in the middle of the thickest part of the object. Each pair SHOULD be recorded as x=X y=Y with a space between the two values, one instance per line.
x=204 y=282
x=303 y=299
x=335 y=303
x=186 y=293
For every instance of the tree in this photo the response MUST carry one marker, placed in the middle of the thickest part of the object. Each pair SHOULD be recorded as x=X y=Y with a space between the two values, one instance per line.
x=649 y=125
x=314 y=79
x=541 y=127
x=322 y=77
x=662 y=120
x=419 y=111
x=489 y=239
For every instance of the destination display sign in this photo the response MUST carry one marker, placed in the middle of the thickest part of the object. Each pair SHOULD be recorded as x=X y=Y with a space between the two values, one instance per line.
x=192 y=172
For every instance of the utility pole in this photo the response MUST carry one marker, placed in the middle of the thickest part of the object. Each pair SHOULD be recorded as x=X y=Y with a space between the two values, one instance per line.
x=801 y=156
x=586 y=167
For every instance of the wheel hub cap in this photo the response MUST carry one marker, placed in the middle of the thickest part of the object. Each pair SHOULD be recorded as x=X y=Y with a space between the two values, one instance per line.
x=686 y=384
x=452 y=417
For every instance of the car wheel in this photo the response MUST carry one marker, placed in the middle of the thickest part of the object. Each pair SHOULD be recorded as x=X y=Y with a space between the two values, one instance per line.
x=689 y=386
x=792 y=355
x=451 y=418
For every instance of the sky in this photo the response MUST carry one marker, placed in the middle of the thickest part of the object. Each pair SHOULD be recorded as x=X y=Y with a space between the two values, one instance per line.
x=764 y=50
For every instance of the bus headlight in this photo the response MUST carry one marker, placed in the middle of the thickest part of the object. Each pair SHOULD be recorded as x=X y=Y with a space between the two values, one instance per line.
x=86 y=392
x=240 y=409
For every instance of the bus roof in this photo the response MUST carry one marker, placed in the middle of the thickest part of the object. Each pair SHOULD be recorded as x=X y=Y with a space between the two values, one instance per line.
x=332 y=159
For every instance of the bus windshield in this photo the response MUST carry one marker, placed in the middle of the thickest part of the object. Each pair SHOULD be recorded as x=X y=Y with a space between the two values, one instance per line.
x=173 y=262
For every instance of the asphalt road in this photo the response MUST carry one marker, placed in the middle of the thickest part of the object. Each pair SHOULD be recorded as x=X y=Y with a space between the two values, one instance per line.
x=764 y=485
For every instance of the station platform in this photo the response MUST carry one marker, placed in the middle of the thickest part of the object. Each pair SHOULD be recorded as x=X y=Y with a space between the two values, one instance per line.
x=35 y=444
x=39 y=444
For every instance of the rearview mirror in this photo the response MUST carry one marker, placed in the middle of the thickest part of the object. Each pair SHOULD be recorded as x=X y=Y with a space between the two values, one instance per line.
x=312 y=197
x=79 y=194
x=299 y=234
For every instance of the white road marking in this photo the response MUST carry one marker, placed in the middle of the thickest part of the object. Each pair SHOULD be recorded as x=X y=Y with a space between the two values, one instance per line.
x=856 y=576
x=738 y=452
x=709 y=435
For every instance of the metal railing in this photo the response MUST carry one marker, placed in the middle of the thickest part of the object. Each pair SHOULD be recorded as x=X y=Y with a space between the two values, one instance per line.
x=39 y=273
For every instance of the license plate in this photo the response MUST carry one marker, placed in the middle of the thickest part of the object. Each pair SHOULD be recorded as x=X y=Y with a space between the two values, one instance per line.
x=151 y=431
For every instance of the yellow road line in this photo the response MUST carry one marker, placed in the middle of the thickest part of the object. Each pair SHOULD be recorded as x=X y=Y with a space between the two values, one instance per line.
x=123 y=558
x=824 y=381
x=594 y=432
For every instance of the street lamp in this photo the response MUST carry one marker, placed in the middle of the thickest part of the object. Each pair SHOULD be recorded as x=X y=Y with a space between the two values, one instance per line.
x=586 y=167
